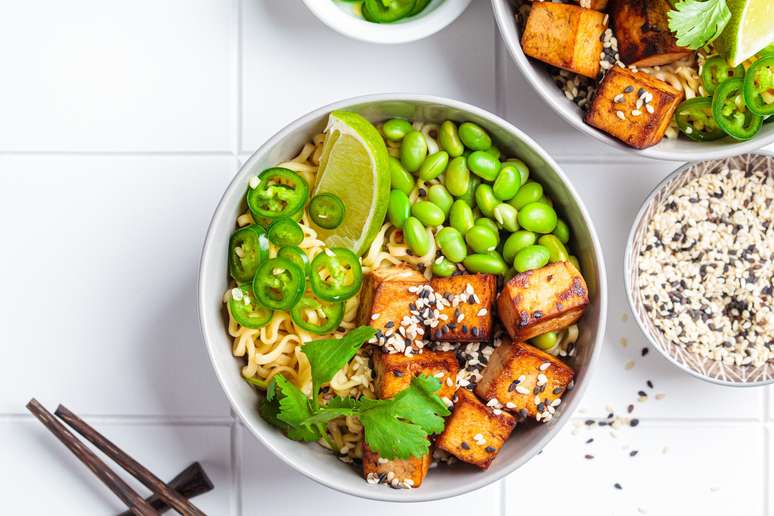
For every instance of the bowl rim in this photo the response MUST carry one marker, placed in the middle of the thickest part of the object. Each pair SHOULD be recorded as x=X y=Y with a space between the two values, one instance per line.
x=422 y=26
x=502 y=12
x=299 y=466
x=628 y=259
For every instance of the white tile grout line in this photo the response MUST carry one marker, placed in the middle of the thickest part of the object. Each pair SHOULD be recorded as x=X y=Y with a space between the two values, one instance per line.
x=236 y=465
x=768 y=437
x=131 y=419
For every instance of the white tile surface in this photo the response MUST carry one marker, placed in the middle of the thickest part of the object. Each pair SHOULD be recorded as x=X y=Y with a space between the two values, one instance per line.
x=39 y=474
x=92 y=75
x=100 y=283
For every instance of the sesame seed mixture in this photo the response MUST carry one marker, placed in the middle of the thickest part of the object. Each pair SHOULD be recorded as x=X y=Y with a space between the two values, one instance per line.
x=706 y=267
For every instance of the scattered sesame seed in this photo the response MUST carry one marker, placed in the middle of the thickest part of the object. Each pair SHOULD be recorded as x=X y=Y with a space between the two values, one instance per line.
x=634 y=422
x=375 y=317
x=588 y=456
x=629 y=365
x=618 y=486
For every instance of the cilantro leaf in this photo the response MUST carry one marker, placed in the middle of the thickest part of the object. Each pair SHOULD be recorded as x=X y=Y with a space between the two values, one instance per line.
x=336 y=407
x=698 y=22
x=286 y=408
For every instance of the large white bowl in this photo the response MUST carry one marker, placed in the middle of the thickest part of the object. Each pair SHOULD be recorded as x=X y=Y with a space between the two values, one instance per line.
x=437 y=15
x=674 y=150
x=311 y=459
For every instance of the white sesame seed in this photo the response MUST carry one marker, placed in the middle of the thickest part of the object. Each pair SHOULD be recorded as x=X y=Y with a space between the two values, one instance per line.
x=497 y=411
x=390 y=476
x=329 y=252
x=439 y=374
x=649 y=108
x=636 y=112
x=556 y=402
x=254 y=182
x=439 y=259
x=522 y=390
x=620 y=114
x=478 y=437
x=375 y=317
x=542 y=379
x=382 y=460
x=510 y=405
x=482 y=312
x=237 y=294
x=544 y=366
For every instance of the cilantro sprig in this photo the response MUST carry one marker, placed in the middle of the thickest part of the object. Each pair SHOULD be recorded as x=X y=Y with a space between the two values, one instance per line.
x=698 y=22
x=394 y=428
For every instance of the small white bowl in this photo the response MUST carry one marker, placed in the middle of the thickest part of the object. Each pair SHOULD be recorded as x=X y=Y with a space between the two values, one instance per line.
x=668 y=149
x=437 y=15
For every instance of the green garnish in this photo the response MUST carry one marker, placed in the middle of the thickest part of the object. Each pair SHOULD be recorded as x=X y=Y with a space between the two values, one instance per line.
x=394 y=428
x=698 y=22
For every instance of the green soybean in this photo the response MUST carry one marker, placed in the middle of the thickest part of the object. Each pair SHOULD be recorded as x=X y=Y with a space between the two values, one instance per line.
x=521 y=168
x=443 y=268
x=531 y=257
x=399 y=208
x=452 y=244
x=516 y=242
x=545 y=341
x=546 y=200
x=400 y=179
x=574 y=260
x=555 y=248
x=470 y=194
x=537 y=217
x=506 y=217
x=507 y=183
x=438 y=195
x=485 y=263
x=481 y=239
x=493 y=151
x=416 y=236
x=434 y=165
x=449 y=139
x=457 y=177
x=474 y=137
x=489 y=223
x=530 y=192
x=461 y=216
x=396 y=129
x=483 y=165
x=562 y=231
x=413 y=151
x=428 y=213
x=485 y=199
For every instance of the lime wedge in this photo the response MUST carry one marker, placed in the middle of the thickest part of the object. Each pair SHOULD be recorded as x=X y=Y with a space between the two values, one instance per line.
x=355 y=167
x=749 y=30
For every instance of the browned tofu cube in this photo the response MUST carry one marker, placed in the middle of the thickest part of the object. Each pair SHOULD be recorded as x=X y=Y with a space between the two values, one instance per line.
x=394 y=371
x=642 y=30
x=566 y=36
x=524 y=380
x=614 y=108
x=397 y=472
x=475 y=433
x=542 y=300
x=597 y=5
x=469 y=319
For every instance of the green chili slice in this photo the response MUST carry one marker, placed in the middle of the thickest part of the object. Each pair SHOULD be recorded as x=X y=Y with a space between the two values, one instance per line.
x=731 y=113
x=296 y=255
x=759 y=87
x=246 y=310
x=279 y=284
x=316 y=315
x=716 y=70
x=285 y=231
x=336 y=274
x=248 y=247
x=694 y=119
x=279 y=192
x=326 y=210
x=379 y=11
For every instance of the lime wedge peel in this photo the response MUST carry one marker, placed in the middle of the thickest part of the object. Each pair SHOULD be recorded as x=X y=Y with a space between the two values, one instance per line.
x=750 y=30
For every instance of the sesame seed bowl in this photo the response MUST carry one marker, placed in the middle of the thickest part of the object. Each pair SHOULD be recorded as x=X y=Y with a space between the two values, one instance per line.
x=699 y=269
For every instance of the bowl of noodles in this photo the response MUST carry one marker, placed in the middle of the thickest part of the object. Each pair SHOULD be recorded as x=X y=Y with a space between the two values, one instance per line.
x=247 y=360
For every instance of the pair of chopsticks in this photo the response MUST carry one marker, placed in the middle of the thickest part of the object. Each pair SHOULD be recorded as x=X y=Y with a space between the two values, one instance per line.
x=190 y=482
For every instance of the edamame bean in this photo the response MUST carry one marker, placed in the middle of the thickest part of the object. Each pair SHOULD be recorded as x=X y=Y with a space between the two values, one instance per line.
x=562 y=231
x=443 y=268
x=493 y=151
x=574 y=260
x=483 y=165
x=485 y=263
x=545 y=341
x=400 y=179
x=481 y=239
x=531 y=257
x=461 y=216
x=546 y=200
x=457 y=176
x=529 y=193
x=555 y=248
x=507 y=183
x=452 y=244
x=399 y=208
x=428 y=213
x=537 y=217
x=413 y=151
x=474 y=137
x=434 y=165
x=449 y=139
x=516 y=242
x=506 y=216
x=470 y=194
x=416 y=236
x=438 y=195
x=485 y=199
x=489 y=223
x=396 y=129
x=521 y=168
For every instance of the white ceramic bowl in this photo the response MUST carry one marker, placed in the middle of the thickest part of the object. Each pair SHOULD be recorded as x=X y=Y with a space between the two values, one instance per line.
x=437 y=15
x=311 y=459
x=674 y=150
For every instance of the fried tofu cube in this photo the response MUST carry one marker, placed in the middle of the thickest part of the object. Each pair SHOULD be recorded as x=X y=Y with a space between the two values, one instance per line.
x=469 y=320
x=542 y=300
x=566 y=36
x=643 y=34
x=403 y=472
x=525 y=380
x=614 y=107
x=394 y=371
x=475 y=433
x=597 y=5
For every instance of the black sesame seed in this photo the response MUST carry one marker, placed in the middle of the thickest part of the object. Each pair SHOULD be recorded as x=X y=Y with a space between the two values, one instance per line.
x=589 y=422
x=422 y=192
x=640 y=92
x=471 y=300
x=513 y=385
x=474 y=331
x=490 y=449
x=464 y=328
x=541 y=407
x=642 y=394
x=557 y=390
x=536 y=390
x=634 y=422
x=618 y=486
x=649 y=384
x=645 y=351
x=628 y=89
x=445 y=329
x=603 y=423
x=630 y=409
x=465 y=446
x=397 y=373
x=523 y=413
x=589 y=440
x=633 y=453
x=389 y=324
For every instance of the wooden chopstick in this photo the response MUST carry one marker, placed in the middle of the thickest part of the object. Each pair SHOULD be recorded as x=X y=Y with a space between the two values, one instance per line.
x=190 y=482
x=137 y=470
x=134 y=501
